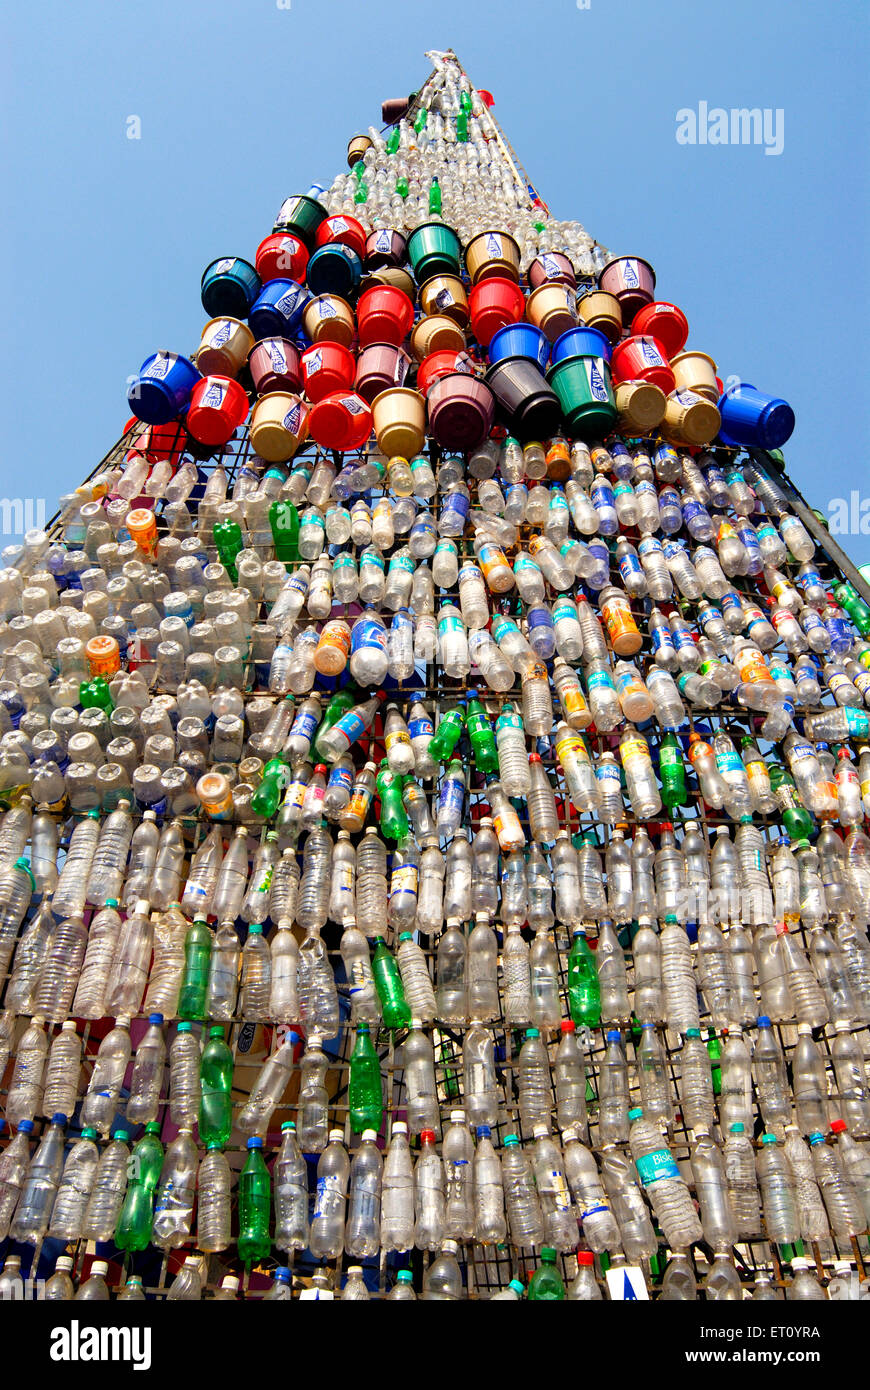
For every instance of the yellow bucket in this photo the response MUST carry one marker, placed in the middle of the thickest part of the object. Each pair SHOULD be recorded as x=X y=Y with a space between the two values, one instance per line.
x=445 y=294
x=695 y=371
x=553 y=309
x=279 y=425
x=224 y=347
x=690 y=419
x=391 y=275
x=493 y=253
x=641 y=406
x=329 y=319
x=601 y=310
x=435 y=334
x=399 y=416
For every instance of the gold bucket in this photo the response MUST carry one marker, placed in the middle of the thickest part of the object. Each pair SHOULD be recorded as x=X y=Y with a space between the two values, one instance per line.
x=279 y=425
x=445 y=294
x=696 y=371
x=399 y=416
x=493 y=253
x=601 y=310
x=356 y=148
x=329 y=319
x=552 y=308
x=434 y=334
x=641 y=406
x=391 y=275
x=690 y=419
x=224 y=347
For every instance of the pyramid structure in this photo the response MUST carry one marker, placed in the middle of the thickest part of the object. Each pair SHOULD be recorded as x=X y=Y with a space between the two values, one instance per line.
x=441 y=465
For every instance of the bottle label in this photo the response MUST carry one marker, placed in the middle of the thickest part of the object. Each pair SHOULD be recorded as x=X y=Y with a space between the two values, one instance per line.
x=421 y=728
x=655 y=1166
x=351 y=725
x=341 y=777
x=559 y=1190
x=729 y=760
x=597 y=680
x=633 y=748
x=305 y=724
x=403 y=562
x=368 y=633
x=396 y=737
x=328 y=1195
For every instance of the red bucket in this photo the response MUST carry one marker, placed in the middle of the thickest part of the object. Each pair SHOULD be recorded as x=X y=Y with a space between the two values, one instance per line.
x=218 y=405
x=342 y=420
x=158 y=442
x=378 y=367
x=281 y=257
x=642 y=359
x=346 y=231
x=384 y=314
x=274 y=364
x=461 y=410
x=439 y=364
x=494 y=304
x=664 y=322
x=327 y=367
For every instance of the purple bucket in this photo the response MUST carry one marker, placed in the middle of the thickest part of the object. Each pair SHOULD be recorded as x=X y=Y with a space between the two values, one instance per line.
x=461 y=411
x=380 y=366
x=274 y=364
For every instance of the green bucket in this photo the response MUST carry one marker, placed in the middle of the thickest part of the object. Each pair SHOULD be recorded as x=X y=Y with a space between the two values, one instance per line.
x=434 y=249
x=585 y=393
x=302 y=216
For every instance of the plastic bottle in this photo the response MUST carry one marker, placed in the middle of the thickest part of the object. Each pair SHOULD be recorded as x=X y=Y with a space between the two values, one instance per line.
x=24 y=1099
x=812 y=1217
x=613 y=1092
x=711 y=1189
x=290 y=1178
x=600 y=1229
x=546 y=1283
x=695 y=1082
x=30 y=1222
x=777 y=1192
x=266 y=1093
x=663 y=1183
x=313 y=1111
x=560 y=1219
x=146 y=1081
x=175 y=1194
x=842 y=1203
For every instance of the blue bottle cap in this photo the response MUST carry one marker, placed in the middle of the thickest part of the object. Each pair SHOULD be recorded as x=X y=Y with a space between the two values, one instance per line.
x=255 y=1142
x=59 y=1118
x=155 y=1018
x=763 y=1021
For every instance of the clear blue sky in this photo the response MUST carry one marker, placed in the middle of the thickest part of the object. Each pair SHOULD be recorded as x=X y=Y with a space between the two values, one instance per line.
x=103 y=239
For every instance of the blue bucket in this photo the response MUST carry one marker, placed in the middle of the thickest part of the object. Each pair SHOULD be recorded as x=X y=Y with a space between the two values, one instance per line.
x=162 y=388
x=278 y=309
x=755 y=420
x=229 y=288
x=581 y=342
x=334 y=269
x=520 y=340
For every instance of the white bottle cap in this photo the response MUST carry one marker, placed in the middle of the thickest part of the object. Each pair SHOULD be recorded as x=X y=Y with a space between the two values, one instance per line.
x=540 y=1132
x=99 y=1267
x=457 y=1117
x=64 y=1263
x=400 y=1127
x=336 y=1136
x=449 y=1247
x=369 y=1134
x=230 y=1281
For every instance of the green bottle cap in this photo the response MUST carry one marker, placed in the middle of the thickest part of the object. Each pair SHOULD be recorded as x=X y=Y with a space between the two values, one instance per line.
x=92 y=1134
x=768 y=1138
x=405 y=1276
x=288 y=1124
x=517 y=1285
x=636 y=1113
x=152 y=1127
x=737 y=1128
x=123 y=1135
x=548 y=1254
x=532 y=1033
x=510 y=1141
x=216 y=1031
x=255 y=929
x=184 y=1027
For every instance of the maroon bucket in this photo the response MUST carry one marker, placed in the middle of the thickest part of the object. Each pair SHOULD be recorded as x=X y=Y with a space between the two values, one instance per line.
x=274 y=364
x=552 y=268
x=461 y=411
x=378 y=367
x=383 y=248
x=631 y=280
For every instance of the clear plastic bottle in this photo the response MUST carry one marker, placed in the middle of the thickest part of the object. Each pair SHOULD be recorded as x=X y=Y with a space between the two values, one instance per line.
x=223 y=979
x=146 y=1082
x=516 y=978
x=811 y=1212
x=290 y=1187
x=74 y=1189
x=600 y=1229
x=653 y=1076
x=534 y=1083
x=268 y=1089
x=62 y=1072
x=14 y=1163
x=429 y=1195
x=711 y=1189
x=24 y=1099
x=770 y=1076
x=450 y=974
x=613 y=1092
x=313 y=1112
x=481 y=1092
x=175 y=1194
x=739 y=1164
x=420 y=1086
x=842 y=1203
x=559 y=1216
x=415 y=979
x=490 y=1225
x=612 y=976
x=30 y=1222
x=214 y=1182
x=481 y=975
x=777 y=1192
x=695 y=1083
x=663 y=1183
x=256 y=985
x=106 y=875
x=809 y=1083
x=678 y=978
x=129 y=973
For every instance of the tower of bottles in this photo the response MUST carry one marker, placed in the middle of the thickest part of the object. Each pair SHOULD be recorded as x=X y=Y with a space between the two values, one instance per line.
x=642 y=826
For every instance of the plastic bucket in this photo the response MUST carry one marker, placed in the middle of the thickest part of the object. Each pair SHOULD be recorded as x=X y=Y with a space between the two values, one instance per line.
x=642 y=359
x=399 y=416
x=584 y=389
x=444 y=363
x=157 y=442
x=436 y=334
x=461 y=410
x=690 y=419
x=529 y=405
x=664 y=322
x=218 y=405
x=551 y=268
x=384 y=314
x=302 y=216
x=696 y=371
x=224 y=347
x=162 y=387
x=282 y=257
x=279 y=425
x=752 y=418
x=434 y=249
x=356 y=148
x=279 y=309
x=229 y=286
x=581 y=342
x=391 y=275
x=385 y=248
x=553 y=309
x=600 y=310
x=494 y=304
x=641 y=406
x=329 y=319
x=445 y=294
x=342 y=421
x=326 y=367
x=378 y=367
x=334 y=269
x=342 y=230
x=520 y=340
x=490 y=254
x=632 y=280
x=274 y=366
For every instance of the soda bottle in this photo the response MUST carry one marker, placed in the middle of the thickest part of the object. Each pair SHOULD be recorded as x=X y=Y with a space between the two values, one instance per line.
x=216 y=1079
x=134 y=1223
x=365 y=1092
x=255 y=1201
x=546 y=1283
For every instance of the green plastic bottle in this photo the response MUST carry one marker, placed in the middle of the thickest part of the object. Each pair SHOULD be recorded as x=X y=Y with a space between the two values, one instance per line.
x=394 y=818
x=672 y=772
x=796 y=820
x=95 y=694
x=365 y=1093
x=362 y=192
x=391 y=992
x=341 y=702
x=255 y=1205
x=462 y=127
x=216 y=1079
x=714 y=1052
x=481 y=737
x=276 y=777
x=197 y=959
x=849 y=599
x=228 y=539
x=447 y=735
x=392 y=144
x=435 y=199
x=546 y=1283
x=134 y=1224
x=284 y=521
x=422 y=117
x=584 y=991
x=402 y=187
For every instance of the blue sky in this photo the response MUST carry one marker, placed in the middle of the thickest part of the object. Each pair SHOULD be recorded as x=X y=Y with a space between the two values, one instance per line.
x=104 y=239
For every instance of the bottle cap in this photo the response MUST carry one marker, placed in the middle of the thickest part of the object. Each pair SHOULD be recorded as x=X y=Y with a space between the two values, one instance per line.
x=532 y=1033
x=541 y=1132
x=548 y=1254
x=369 y=1135
x=636 y=1113
x=255 y=1142
x=184 y=1028
x=449 y=1247
x=216 y=1031
x=99 y=1267
x=122 y=1135
x=400 y=1127
x=336 y=1136
x=585 y=1258
x=405 y=1276
x=89 y=1133
x=64 y=1263
x=763 y=1021
x=517 y=1285
x=816 y=1138
x=483 y=1131
x=457 y=1117
x=568 y=1026
x=155 y=1018
x=768 y=1138
x=613 y=1035
x=737 y=1128
x=59 y=1118
x=288 y=1124
x=838 y=1126
x=693 y=1032
x=427 y=1136
x=255 y=929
